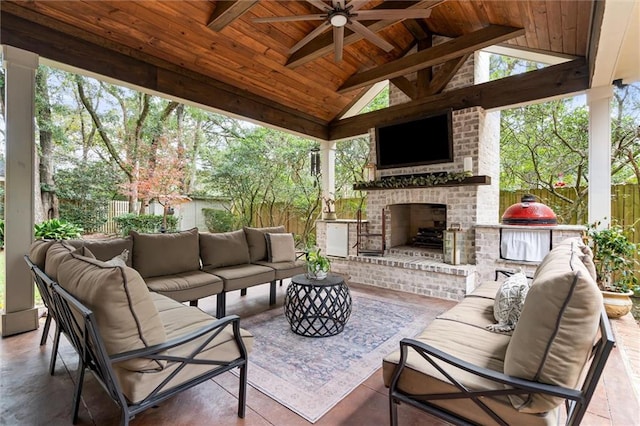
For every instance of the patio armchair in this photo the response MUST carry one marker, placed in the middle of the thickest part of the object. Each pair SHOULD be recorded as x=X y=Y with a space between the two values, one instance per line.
x=465 y=371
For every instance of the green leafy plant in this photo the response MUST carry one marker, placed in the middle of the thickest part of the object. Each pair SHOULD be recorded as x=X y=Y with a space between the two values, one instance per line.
x=144 y=223
x=57 y=229
x=1 y=232
x=316 y=262
x=218 y=220
x=614 y=256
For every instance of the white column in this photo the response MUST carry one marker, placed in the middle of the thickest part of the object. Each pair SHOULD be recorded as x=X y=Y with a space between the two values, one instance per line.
x=20 y=67
x=599 y=101
x=328 y=167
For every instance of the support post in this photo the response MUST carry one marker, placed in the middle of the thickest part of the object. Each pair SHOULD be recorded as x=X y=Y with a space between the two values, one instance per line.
x=20 y=66
x=328 y=164
x=599 y=101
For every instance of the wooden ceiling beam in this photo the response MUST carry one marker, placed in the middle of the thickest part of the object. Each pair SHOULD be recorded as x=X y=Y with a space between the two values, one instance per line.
x=444 y=52
x=405 y=85
x=227 y=11
x=153 y=74
x=323 y=45
x=556 y=80
x=444 y=75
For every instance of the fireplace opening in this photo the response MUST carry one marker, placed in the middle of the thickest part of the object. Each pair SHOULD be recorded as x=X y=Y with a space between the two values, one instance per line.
x=417 y=225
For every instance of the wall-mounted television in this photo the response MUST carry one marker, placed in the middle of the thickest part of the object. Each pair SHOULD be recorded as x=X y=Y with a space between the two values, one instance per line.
x=427 y=140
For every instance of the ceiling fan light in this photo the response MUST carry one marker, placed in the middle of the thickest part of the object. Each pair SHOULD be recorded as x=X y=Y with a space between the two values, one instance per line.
x=338 y=19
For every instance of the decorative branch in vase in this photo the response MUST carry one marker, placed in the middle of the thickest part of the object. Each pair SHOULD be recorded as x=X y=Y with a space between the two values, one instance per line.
x=329 y=212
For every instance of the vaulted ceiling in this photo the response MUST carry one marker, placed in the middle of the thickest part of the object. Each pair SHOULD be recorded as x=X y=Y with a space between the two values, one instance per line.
x=217 y=54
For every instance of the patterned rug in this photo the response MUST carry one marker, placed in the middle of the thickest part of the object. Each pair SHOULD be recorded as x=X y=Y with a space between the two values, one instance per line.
x=311 y=375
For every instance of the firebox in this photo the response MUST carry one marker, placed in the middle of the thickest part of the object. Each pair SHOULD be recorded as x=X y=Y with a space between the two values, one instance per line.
x=417 y=224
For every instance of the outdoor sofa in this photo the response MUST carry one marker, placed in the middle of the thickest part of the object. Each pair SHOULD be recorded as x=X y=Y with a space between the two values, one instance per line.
x=141 y=346
x=190 y=265
x=461 y=371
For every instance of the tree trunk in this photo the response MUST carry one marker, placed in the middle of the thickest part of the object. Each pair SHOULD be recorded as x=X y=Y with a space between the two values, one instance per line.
x=50 y=208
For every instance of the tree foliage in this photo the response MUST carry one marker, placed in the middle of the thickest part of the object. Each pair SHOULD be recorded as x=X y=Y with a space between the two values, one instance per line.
x=546 y=145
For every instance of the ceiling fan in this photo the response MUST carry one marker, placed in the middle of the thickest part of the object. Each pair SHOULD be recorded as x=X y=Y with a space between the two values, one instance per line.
x=342 y=13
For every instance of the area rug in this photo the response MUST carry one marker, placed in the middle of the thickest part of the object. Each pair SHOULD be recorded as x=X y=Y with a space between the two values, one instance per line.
x=311 y=375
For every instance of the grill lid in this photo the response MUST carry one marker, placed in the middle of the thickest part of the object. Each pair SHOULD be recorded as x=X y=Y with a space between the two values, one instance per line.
x=529 y=212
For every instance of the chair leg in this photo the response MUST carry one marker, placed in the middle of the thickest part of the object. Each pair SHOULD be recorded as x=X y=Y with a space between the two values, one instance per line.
x=78 y=391
x=393 y=411
x=281 y=283
x=45 y=330
x=272 y=293
x=220 y=305
x=242 y=391
x=243 y=292
x=54 y=350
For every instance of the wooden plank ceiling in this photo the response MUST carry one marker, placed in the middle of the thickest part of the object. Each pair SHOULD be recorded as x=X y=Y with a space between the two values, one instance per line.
x=215 y=54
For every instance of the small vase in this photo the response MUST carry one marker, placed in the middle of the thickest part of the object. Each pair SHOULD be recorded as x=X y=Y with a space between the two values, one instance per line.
x=617 y=304
x=316 y=274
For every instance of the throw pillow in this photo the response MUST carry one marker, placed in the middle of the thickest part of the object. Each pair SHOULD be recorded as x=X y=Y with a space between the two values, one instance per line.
x=218 y=250
x=552 y=345
x=124 y=310
x=280 y=247
x=165 y=254
x=257 y=241
x=119 y=260
x=509 y=302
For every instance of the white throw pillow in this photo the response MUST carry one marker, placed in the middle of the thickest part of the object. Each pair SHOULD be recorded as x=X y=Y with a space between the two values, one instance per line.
x=119 y=260
x=280 y=247
x=509 y=303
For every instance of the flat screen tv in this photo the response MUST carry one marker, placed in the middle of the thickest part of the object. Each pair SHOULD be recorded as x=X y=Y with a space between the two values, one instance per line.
x=427 y=140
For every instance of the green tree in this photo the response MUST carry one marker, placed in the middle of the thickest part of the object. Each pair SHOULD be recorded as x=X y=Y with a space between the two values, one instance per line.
x=85 y=191
x=546 y=145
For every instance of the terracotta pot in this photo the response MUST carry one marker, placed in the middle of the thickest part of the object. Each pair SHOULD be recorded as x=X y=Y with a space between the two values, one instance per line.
x=617 y=304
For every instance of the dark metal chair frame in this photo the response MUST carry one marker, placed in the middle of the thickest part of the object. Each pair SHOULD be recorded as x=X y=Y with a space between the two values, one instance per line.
x=45 y=294
x=78 y=324
x=576 y=400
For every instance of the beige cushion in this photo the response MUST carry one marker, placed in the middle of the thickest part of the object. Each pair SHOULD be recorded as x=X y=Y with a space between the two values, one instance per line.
x=180 y=320
x=38 y=252
x=165 y=254
x=280 y=247
x=243 y=276
x=223 y=249
x=257 y=241
x=107 y=248
x=123 y=308
x=55 y=255
x=192 y=285
x=285 y=269
x=471 y=343
x=552 y=344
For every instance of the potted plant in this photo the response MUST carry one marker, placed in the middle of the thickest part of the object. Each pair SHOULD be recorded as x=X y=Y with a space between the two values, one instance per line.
x=317 y=265
x=614 y=256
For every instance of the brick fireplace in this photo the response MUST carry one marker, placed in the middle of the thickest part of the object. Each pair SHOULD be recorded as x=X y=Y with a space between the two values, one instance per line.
x=472 y=205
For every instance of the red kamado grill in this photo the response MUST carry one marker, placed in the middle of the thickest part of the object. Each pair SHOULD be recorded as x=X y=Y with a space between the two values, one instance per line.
x=529 y=212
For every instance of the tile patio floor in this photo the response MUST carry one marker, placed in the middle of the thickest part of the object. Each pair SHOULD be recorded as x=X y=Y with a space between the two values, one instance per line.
x=30 y=396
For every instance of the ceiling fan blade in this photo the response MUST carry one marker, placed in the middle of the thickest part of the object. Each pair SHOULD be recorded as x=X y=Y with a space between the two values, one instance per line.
x=338 y=42
x=316 y=17
x=320 y=5
x=338 y=4
x=356 y=5
x=370 y=35
x=313 y=34
x=393 y=14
